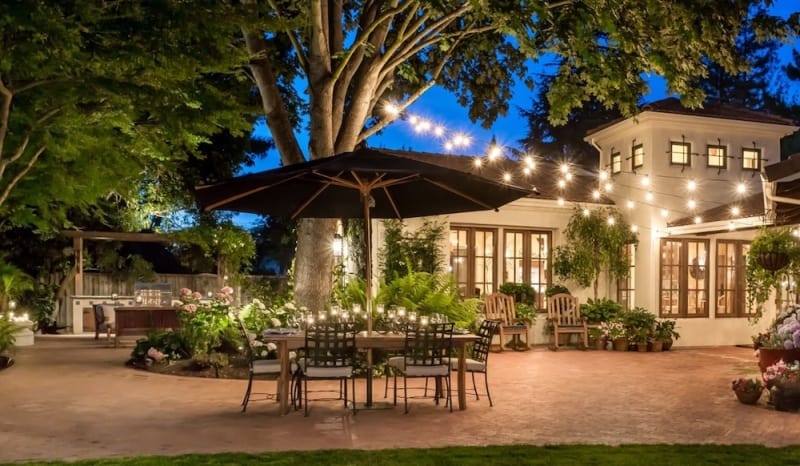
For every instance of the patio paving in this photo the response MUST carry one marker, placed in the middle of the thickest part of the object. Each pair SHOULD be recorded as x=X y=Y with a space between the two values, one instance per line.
x=72 y=399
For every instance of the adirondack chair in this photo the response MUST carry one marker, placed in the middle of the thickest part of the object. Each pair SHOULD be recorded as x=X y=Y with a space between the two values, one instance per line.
x=564 y=315
x=499 y=306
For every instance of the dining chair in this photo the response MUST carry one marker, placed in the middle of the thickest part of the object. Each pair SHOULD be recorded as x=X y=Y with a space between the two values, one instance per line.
x=330 y=352
x=500 y=306
x=262 y=367
x=426 y=353
x=479 y=360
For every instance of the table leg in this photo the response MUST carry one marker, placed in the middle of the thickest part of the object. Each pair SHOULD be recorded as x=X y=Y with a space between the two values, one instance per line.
x=462 y=377
x=283 y=378
x=369 y=378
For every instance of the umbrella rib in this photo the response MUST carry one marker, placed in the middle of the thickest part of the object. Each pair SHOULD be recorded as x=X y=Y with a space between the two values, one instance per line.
x=391 y=201
x=249 y=192
x=458 y=193
x=395 y=181
x=338 y=181
x=310 y=200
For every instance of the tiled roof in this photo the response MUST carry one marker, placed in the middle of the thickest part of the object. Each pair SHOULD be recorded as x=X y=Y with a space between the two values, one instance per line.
x=750 y=206
x=543 y=180
x=710 y=109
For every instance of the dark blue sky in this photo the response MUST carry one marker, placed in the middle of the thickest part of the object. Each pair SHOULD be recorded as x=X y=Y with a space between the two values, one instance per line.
x=441 y=108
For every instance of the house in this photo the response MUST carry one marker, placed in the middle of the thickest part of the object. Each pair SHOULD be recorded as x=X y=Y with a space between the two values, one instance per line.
x=697 y=183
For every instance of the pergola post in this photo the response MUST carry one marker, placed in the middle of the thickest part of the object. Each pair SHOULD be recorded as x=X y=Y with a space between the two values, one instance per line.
x=77 y=245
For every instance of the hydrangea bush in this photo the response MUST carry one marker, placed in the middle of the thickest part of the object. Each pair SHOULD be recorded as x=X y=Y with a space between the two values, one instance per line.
x=784 y=333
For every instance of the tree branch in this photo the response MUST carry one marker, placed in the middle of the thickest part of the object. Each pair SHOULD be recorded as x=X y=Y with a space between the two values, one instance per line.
x=386 y=122
x=5 y=112
x=298 y=48
x=20 y=175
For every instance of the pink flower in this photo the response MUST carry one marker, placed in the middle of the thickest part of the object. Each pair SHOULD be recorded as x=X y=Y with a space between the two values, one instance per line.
x=227 y=290
x=190 y=307
x=186 y=292
x=197 y=295
x=155 y=354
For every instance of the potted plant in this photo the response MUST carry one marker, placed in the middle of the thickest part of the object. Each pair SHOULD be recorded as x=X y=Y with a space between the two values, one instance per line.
x=664 y=335
x=616 y=332
x=7 y=338
x=597 y=338
x=778 y=342
x=784 y=382
x=773 y=255
x=600 y=310
x=747 y=390
x=639 y=337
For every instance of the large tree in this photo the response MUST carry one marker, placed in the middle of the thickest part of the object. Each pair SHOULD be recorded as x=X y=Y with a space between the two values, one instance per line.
x=96 y=95
x=355 y=56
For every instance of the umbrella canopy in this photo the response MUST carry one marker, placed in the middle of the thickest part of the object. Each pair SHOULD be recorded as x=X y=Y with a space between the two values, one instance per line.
x=367 y=183
x=398 y=185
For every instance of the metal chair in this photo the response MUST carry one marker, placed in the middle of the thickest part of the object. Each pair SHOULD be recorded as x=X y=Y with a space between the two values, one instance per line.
x=479 y=362
x=262 y=367
x=102 y=322
x=426 y=353
x=330 y=352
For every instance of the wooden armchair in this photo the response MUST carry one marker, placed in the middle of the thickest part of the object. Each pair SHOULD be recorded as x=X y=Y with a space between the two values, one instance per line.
x=499 y=306
x=564 y=315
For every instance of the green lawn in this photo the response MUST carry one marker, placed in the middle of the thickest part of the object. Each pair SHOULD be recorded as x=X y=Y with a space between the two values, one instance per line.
x=492 y=455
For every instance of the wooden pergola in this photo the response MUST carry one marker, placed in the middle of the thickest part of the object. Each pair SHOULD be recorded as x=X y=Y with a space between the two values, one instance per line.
x=79 y=236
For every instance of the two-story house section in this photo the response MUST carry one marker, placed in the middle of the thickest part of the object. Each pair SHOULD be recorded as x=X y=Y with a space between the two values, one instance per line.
x=691 y=180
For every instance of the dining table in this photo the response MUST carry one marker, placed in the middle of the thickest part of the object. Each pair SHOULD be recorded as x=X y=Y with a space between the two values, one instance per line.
x=287 y=340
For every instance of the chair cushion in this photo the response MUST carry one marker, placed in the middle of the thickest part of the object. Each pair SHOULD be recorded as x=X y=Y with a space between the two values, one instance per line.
x=328 y=372
x=426 y=371
x=472 y=365
x=266 y=366
x=108 y=312
x=398 y=362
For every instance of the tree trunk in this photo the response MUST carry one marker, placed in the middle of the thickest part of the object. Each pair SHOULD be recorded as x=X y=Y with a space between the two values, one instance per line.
x=313 y=280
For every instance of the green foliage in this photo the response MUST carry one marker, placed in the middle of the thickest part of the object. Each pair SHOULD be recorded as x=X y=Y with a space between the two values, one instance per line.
x=553 y=290
x=8 y=332
x=639 y=323
x=135 y=85
x=523 y=293
x=428 y=294
x=600 y=310
x=130 y=268
x=594 y=244
x=406 y=251
x=258 y=316
x=760 y=282
x=352 y=292
x=665 y=330
x=40 y=301
x=206 y=325
x=13 y=282
x=171 y=344
x=230 y=246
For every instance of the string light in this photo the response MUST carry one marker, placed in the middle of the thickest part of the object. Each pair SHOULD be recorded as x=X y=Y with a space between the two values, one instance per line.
x=646 y=181
x=611 y=221
x=561 y=201
x=495 y=152
x=691 y=204
x=603 y=175
x=731 y=226
x=526 y=170
x=735 y=211
x=664 y=213
x=649 y=196
x=562 y=184
x=634 y=228
x=609 y=187
x=596 y=194
x=691 y=185
x=564 y=168
x=478 y=162
x=507 y=177
x=586 y=212
x=698 y=219
x=630 y=204
x=741 y=188
x=568 y=176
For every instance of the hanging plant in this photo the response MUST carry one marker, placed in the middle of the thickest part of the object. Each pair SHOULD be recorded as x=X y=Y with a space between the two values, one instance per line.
x=773 y=257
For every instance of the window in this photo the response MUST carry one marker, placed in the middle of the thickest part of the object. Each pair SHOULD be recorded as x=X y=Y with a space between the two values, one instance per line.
x=730 y=286
x=751 y=159
x=717 y=156
x=637 y=154
x=680 y=153
x=683 y=281
x=626 y=287
x=616 y=162
x=472 y=260
x=526 y=260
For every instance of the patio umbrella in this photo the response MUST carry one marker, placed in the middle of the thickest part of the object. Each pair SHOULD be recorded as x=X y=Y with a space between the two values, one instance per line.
x=365 y=183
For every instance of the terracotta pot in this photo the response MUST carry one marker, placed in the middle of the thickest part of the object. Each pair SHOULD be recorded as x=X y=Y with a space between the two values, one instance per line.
x=621 y=344
x=657 y=346
x=667 y=344
x=641 y=346
x=600 y=344
x=748 y=398
x=769 y=356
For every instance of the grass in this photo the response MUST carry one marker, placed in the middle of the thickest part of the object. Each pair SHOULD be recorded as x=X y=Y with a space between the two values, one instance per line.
x=485 y=456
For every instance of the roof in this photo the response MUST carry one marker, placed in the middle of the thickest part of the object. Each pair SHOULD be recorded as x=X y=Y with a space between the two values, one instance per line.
x=709 y=109
x=750 y=206
x=543 y=180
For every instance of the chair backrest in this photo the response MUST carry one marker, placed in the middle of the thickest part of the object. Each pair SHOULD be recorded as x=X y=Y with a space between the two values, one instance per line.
x=248 y=345
x=564 y=309
x=499 y=306
x=428 y=345
x=99 y=314
x=330 y=344
x=487 y=330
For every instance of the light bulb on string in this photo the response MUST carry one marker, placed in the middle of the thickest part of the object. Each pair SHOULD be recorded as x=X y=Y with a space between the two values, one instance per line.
x=698 y=219
x=649 y=196
x=629 y=204
x=507 y=177
x=413 y=119
x=478 y=162
x=664 y=213
x=564 y=168
x=568 y=176
x=731 y=226
x=529 y=162
x=439 y=131
x=741 y=188
x=391 y=109
x=603 y=175
x=735 y=211
x=646 y=180
x=596 y=194
x=526 y=170
x=495 y=152
x=611 y=220
x=691 y=185
x=562 y=183
x=634 y=228
x=691 y=204
x=448 y=146
x=561 y=201
x=609 y=187
x=586 y=212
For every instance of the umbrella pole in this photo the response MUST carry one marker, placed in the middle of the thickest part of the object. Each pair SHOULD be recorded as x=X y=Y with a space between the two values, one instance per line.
x=368 y=291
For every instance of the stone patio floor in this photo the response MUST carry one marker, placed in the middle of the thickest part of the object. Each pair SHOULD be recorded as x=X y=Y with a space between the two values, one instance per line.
x=69 y=399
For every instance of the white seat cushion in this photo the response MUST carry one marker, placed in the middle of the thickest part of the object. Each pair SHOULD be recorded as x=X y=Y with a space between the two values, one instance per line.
x=266 y=366
x=328 y=372
x=399 y=363
x=472 y=365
